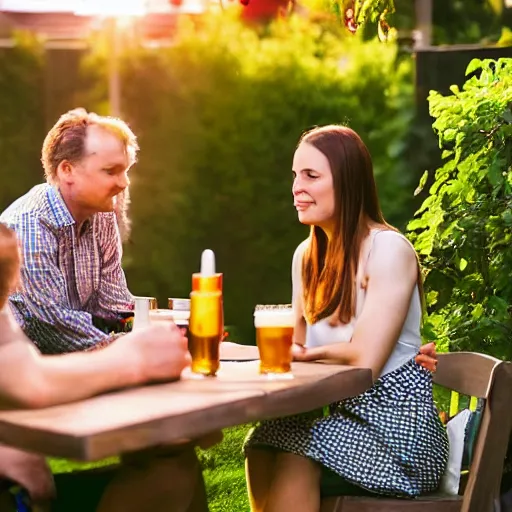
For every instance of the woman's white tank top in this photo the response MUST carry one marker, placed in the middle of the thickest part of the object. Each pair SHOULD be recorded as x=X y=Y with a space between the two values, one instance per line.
x=322 y=333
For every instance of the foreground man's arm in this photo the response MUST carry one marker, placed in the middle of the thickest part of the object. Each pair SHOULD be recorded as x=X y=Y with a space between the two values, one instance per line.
x=29 y=380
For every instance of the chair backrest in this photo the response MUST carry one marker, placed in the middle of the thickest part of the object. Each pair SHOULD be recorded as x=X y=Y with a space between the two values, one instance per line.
x=484 y=377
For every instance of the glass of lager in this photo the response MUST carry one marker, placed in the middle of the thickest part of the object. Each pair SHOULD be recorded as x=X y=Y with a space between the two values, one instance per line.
x=274 y=337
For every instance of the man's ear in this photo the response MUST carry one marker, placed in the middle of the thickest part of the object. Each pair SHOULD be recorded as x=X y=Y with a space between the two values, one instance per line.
x=65 y=171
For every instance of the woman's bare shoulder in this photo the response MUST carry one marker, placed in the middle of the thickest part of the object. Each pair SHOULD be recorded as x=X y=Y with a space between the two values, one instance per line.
x=392 y=255
x=394 y=242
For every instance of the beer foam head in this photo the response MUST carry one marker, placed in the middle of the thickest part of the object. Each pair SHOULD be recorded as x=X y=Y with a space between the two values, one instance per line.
x=279 y=315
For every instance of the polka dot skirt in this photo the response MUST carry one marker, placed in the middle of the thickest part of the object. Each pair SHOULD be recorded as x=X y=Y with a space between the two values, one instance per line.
x=389 y=440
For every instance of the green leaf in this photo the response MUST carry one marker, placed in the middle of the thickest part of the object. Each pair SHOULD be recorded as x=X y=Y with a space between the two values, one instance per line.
x=498 y=305
x=507 y=217
x=450 y=134
x=455 y=89
x=477 y=312
x=495 y=172
x=463 y=264
x=431 y=297
x=429 y=333
x=423 y=180
x=473 y=66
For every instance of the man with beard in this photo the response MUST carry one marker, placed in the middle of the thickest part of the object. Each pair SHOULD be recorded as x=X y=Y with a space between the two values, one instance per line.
x=69 y=232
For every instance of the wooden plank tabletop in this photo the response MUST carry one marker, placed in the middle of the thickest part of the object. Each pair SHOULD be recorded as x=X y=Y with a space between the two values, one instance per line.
x=139 y=418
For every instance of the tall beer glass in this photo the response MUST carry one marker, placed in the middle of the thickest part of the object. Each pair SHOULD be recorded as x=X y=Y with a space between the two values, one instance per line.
x=274 y=337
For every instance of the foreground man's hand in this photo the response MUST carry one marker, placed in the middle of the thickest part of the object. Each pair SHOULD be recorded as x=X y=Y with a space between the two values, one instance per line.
x=158 y=352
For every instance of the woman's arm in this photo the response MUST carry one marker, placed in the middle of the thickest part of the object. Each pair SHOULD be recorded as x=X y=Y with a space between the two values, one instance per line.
x=392 y=275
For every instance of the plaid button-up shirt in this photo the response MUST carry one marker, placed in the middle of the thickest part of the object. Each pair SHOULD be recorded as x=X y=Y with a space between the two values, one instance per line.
x=67 y=277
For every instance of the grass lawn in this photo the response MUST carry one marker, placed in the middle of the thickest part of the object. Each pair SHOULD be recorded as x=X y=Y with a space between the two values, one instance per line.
x=224 y=472
x=223 y=469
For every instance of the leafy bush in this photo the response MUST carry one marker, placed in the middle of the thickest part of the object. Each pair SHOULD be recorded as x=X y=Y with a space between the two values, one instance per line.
x=218 y=116
x=463 y=230
x=22 y=119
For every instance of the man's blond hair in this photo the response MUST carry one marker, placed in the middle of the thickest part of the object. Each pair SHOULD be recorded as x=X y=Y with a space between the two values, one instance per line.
x=66 y=140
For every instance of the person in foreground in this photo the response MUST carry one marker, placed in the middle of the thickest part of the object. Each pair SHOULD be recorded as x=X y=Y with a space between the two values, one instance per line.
x=69 y=228
x=30 y=380
x=357 y=295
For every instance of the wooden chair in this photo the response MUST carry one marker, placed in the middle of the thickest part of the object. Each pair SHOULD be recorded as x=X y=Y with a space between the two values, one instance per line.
x=475 y=375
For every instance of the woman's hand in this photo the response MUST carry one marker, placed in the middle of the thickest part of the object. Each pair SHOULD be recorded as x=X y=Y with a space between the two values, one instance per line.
x=427 y=357
x=301 y=353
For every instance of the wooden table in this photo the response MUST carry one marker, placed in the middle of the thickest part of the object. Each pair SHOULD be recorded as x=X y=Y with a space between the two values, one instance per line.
x=139 y=418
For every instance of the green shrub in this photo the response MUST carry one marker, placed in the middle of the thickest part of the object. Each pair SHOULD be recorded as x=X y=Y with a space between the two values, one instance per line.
x=22 y=117
x=218 y=116
x=464 y=228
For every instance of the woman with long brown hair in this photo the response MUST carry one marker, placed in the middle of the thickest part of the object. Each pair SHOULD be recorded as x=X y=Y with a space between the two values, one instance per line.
x=357 y=297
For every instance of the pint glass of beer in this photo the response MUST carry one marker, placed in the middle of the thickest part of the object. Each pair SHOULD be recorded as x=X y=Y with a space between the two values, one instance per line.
x=274 y=335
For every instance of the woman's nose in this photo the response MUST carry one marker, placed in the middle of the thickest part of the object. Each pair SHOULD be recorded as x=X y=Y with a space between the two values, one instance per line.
x=297 y=186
